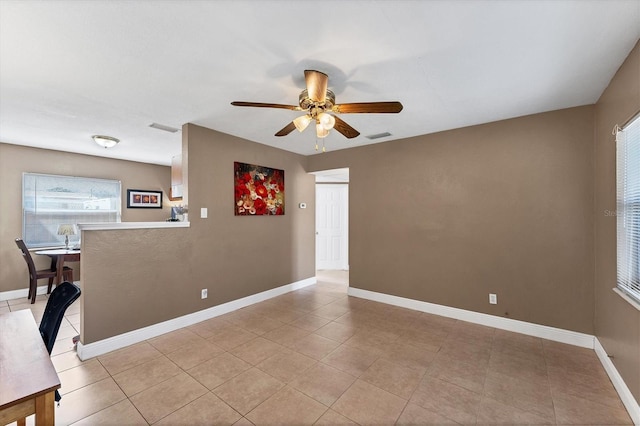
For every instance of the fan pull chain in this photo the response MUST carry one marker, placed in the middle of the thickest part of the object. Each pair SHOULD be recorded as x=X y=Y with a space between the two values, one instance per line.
x=323 y=147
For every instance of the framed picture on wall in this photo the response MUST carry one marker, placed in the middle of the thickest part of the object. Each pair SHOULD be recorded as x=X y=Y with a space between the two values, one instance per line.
x=259 y=190
x=143 y=199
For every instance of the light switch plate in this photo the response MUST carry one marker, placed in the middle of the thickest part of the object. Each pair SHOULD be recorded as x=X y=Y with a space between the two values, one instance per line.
x=203 y=212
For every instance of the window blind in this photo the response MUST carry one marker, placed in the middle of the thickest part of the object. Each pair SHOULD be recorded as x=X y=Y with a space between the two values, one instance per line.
x=628 y=209
x=50 y=200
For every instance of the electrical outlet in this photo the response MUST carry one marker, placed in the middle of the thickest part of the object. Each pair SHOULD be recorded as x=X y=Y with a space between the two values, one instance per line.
x=203 y=293
x=493 y=299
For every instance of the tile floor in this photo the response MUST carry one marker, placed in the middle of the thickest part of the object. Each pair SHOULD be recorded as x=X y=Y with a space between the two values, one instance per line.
x=317 y=356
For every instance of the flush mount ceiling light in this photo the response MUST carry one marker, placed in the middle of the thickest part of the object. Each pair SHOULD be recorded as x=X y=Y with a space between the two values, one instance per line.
x=105 y=141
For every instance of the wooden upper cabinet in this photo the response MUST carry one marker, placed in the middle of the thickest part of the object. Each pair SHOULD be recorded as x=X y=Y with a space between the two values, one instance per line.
x=176 y=178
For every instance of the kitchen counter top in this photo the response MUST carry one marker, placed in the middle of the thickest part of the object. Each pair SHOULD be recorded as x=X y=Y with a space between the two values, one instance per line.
x=130 y=225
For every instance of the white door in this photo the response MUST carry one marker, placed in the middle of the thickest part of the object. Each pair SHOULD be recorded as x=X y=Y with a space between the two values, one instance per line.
x=332 y=234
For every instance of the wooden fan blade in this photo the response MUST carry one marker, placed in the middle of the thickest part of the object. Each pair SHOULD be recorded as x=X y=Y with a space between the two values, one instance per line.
x=368 y=107
x=262 y=105
x=287 y=129
x=316 y=85
x=348 y=131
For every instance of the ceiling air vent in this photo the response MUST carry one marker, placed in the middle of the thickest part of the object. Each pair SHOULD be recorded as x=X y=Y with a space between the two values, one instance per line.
x=379 y=135
x=163 y=127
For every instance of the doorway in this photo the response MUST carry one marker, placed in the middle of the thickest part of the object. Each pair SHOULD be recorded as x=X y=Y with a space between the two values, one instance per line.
x=332 y=245
x=332 y=222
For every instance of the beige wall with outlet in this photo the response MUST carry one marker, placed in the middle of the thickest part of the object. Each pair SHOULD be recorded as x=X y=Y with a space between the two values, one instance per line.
x=15 y=160
x=503 y=208
x=154 y=275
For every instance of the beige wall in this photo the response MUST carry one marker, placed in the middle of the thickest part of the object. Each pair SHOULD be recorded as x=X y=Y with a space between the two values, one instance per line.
x=504 y=208
x=617 y=323
x=156 y=275
x=14 y=160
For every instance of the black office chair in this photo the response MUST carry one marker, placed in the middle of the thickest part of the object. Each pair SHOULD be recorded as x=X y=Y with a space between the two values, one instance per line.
x=60 y=299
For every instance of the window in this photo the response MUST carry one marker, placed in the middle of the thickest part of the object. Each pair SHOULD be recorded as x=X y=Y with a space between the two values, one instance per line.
x=628 y=209
x=49 y=200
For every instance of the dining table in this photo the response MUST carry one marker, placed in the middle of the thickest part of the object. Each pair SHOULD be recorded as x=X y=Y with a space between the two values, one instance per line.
x=58 y=258
x=28 y=378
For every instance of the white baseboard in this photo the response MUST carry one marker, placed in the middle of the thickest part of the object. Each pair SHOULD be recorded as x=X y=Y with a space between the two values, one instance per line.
x=120 y=341
x=21 y=293
x=630 y=403
x=530 y=329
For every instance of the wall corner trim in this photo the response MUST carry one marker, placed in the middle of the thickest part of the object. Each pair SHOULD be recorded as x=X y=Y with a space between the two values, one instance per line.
x=120 y=341
x=630 y=403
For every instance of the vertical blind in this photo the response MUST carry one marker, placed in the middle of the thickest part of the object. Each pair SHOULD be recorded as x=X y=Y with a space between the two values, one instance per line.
x=628 y=208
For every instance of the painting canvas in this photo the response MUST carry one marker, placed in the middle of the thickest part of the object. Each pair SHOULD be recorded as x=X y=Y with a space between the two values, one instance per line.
x=258 y=190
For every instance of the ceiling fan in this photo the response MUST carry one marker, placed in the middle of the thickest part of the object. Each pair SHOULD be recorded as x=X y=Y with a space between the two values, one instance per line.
x=318 y=101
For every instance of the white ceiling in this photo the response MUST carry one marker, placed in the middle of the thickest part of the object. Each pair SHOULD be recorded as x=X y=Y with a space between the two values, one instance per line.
x=71 y=69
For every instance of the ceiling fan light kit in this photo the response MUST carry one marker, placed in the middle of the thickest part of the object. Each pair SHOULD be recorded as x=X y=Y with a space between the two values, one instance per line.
x=321 y=132
x=327 y=121
x=302 y=122
x=318 y=101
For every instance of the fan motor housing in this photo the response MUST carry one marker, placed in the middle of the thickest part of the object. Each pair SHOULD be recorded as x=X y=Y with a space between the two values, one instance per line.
x=306 y=102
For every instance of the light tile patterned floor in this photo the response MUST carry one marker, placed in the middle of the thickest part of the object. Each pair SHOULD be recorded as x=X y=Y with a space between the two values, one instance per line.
x=317 y=356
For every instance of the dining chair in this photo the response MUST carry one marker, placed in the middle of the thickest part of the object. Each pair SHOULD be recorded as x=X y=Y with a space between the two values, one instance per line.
x=61 y=298
x=35 y=275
